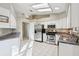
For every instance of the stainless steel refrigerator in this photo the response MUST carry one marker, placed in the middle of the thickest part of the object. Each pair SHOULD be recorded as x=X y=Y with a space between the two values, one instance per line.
x=38 y=32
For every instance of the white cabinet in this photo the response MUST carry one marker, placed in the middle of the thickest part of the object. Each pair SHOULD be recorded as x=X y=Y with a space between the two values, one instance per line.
x=4 y=25
x=6 y=46
x=68 y=49
x=4 y=12
x=65 y=49
x=75 y=14
x=11 y=22
x=76 y=50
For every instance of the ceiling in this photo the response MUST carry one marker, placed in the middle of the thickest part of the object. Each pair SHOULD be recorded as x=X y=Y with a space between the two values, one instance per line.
x=26 y=8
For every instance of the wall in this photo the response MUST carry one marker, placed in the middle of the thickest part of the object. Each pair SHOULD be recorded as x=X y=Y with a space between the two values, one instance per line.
x=25 y=30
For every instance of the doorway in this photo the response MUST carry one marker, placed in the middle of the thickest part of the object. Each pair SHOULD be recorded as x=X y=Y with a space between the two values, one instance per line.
x=25 y=32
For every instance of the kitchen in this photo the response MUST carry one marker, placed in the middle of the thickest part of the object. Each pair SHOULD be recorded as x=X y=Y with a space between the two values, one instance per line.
x=56 y=29
x=65 y=30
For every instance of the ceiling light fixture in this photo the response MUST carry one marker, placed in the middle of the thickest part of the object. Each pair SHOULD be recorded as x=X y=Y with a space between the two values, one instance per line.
x=42 y=10
x=41 y=5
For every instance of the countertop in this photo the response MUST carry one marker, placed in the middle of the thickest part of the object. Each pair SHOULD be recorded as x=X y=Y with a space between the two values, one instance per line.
x=10 y=35
x=68 y=42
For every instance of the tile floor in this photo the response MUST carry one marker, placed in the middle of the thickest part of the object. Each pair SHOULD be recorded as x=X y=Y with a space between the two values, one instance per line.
x=44 y=49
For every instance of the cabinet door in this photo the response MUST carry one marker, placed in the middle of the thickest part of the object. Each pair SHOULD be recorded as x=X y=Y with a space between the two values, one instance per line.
x=12 y=21
x=4 y=12
x=8 y=46
x=76 y=50
x=75 y=14
x=4 y=25
x=65 y=49
x=5 y=50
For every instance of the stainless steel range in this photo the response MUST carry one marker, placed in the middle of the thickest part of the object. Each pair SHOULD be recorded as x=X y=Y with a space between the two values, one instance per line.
x=50 y=32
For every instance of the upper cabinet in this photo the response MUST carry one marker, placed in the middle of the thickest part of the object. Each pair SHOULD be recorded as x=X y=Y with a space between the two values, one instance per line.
x=7 y=19
x=74 y=14
x=12 y=21
x=4 y=11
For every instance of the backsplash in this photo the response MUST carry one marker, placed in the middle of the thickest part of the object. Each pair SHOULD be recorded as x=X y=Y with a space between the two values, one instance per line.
x=76 y=29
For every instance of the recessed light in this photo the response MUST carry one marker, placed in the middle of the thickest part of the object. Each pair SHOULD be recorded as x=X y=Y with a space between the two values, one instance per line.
x=57 y=8
x=42 y=10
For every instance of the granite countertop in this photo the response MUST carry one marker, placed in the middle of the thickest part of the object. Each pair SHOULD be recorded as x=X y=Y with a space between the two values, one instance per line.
x=68 y=42
x=10 y=35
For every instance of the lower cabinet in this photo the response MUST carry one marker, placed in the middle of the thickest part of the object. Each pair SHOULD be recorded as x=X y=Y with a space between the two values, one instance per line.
x=76 y=50
x=8 y=47
x=4 y=25
x=68 y=49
